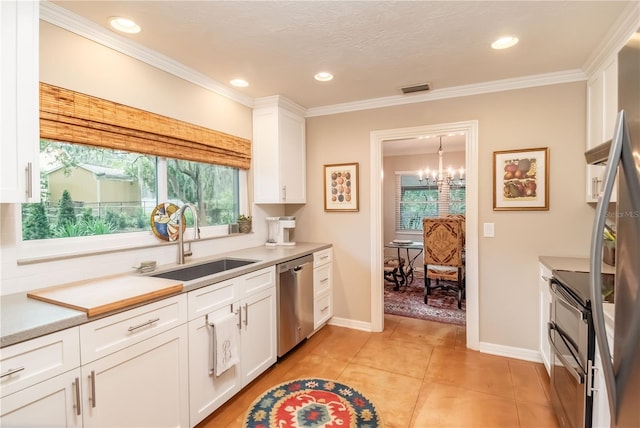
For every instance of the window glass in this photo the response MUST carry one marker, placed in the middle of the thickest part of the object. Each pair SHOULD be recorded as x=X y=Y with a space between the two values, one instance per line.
x=89 y=191
x=213 y=189
x=416 y=200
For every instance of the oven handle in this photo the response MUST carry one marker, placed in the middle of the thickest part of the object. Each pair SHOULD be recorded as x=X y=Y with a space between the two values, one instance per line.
x=558 y=290
x=577 y=376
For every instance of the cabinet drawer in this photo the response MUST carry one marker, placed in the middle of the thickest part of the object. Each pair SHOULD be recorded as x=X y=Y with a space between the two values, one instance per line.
x=322 y=257
x=111 y=334
x=209 y=298
x=322 y=310
x=38 y=359
x=321 y=279
x=259 y=280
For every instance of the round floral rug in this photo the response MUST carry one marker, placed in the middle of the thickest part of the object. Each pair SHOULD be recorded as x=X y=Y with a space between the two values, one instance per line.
x=312 y=403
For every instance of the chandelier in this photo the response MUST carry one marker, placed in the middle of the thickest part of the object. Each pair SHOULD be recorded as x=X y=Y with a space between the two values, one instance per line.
x=440 y=177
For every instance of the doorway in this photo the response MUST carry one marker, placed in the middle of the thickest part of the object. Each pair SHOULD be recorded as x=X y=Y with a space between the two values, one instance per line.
x=470 y=131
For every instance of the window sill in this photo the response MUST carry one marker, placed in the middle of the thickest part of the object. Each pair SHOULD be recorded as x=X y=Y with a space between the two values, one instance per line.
x=34 y=252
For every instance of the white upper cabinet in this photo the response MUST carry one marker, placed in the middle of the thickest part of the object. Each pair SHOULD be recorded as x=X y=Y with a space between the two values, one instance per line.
x=19 y=128
x=279 y=153
x=602 y=108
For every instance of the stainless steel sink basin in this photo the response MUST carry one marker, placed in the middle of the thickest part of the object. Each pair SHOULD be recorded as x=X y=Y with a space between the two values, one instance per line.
x=205 y=269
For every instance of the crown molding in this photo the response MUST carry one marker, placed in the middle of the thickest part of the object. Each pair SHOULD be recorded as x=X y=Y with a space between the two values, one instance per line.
x=626 y=25
x=69 y=21
x=453 y=92
x=56 y=15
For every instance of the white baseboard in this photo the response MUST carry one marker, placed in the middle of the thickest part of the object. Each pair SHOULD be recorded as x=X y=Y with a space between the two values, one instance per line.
x=345 y=322
x=511 y=352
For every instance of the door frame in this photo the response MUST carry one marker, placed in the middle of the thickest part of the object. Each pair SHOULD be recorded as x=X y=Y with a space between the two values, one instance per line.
x=470 y=130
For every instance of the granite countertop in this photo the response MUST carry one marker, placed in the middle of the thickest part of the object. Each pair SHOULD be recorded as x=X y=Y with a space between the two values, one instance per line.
x=23 y=318
x=579 y=264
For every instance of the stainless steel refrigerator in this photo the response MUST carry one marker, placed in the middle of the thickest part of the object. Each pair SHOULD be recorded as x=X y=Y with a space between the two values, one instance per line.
x=622 y=378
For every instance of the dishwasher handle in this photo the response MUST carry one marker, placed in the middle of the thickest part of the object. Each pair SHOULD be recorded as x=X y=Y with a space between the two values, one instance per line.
x=295 y=264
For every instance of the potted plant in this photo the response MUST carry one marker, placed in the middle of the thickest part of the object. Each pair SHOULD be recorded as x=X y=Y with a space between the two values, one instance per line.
x=244 y=223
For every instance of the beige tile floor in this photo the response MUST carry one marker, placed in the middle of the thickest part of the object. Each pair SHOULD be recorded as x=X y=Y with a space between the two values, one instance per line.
x=417 y=373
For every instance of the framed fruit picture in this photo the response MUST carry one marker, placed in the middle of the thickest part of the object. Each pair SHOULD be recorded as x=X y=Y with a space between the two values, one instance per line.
x=341 y=187
x=521 y=180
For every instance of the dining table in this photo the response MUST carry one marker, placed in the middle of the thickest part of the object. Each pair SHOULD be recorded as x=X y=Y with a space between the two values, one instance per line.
x=406 y=272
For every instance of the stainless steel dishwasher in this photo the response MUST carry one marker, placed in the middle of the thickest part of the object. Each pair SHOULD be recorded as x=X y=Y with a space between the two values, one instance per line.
x=295 y=302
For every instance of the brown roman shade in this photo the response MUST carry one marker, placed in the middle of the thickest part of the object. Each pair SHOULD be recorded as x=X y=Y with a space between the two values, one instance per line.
x=73 y=117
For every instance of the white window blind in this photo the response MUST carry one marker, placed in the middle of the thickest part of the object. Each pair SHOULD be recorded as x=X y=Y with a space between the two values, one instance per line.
x=416 y=200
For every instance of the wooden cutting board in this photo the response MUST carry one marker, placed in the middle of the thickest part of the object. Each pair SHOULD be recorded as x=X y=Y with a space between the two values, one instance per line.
x=98 y=296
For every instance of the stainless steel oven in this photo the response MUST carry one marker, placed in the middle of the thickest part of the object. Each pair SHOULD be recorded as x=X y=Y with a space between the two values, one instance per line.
x=572 y=338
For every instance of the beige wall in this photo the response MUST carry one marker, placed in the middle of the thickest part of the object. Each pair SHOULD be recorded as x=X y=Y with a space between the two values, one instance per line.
x=551 y=116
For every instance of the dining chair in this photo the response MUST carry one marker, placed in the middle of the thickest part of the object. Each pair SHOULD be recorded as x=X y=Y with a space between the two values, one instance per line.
x=444 y=255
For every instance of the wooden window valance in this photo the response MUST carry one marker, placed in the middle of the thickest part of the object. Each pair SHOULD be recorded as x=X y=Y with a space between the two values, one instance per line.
x=73 y=117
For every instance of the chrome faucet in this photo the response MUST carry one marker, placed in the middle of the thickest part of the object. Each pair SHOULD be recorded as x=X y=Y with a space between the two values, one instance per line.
x=196 y=232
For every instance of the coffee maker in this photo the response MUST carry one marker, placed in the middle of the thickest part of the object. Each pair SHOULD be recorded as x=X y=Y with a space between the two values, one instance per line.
x=279 y=229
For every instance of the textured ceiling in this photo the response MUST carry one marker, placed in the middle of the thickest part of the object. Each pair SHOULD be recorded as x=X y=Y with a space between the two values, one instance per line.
x=373 y=48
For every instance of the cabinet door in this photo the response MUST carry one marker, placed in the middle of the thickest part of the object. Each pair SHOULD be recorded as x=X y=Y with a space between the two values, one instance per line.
x=545 y=312
x=19 y=130
x=259 y=335
x=602 y=109
x=145 y=384
x=293 y=158
x=53 y=403
x=206 y=391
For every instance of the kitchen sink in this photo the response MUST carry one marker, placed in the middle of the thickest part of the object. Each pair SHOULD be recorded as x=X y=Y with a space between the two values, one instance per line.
x=205 y=269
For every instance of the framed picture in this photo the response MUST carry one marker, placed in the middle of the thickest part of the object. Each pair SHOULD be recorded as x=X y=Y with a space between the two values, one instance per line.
x=341 y=187
x=521 y=180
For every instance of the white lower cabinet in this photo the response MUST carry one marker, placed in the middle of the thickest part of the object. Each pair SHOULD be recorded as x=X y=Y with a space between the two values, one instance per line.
x=135 y=367
x=53 y=403
x=207 y=392
x=601 y=413
x=259 y=339
x=544 y=275
x=145 y=384
x=322 y=287
x=252 y=298
x=39 y=382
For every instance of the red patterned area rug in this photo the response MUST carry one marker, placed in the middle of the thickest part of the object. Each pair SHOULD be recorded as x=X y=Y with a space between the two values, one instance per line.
x=312 y=403
x=409 y=302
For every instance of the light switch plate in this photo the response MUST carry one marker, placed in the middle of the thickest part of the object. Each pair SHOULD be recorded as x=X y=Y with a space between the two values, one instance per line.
x=489 y=230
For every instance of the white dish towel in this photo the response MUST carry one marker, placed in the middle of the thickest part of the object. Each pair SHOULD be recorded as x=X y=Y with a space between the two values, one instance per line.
x=225 y=343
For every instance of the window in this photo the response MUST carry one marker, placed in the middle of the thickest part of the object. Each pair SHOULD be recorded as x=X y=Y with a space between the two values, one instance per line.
x=415 y=200
x=89 y=191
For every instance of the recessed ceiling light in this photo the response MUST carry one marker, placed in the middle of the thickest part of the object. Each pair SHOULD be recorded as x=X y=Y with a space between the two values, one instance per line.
x=240 y=83
x=125 y=25
x=323 y=76
x=504 y=42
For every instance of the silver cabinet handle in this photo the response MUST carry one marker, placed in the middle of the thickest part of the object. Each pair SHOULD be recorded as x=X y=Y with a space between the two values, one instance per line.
x=284 y=193
x=92 y=381
x=324 y=309
x=135 y=327
x=246 y=314
x=76 y=384
x=212 y=348
x=239 y=312
x=29 y=189
x=11 y=371
x=324 y=280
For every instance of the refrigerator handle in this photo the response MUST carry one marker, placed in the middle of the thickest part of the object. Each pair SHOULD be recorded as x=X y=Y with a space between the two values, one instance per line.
x=595 y=262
